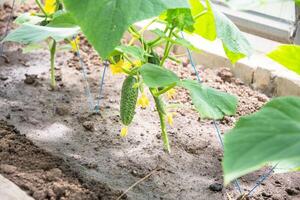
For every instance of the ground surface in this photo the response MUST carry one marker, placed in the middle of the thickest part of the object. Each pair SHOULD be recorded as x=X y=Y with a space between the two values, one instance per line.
x=81 y=144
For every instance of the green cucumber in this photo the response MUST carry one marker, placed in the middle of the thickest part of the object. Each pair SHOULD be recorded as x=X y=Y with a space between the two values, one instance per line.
x=129 y=97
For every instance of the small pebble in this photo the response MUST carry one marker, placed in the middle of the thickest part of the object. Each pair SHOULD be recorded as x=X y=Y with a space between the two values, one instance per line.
x=216 y=187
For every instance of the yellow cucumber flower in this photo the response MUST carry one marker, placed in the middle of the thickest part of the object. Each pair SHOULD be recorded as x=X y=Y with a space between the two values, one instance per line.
x=117 y=68
x=171 y=93
x=124 y=131
x=143 y=101
x=50 y=6
x=170 y=119
x=137 y=63
x=74 y=43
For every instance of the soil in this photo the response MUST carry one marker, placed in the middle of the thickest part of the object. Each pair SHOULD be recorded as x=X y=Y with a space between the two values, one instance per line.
x=61 y=139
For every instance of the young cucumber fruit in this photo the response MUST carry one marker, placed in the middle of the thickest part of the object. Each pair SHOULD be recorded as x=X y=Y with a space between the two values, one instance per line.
x=129 y=97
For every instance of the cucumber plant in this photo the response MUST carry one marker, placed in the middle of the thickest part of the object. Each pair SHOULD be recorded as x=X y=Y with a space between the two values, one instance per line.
x=139 y=59
x=51 y=26
x=104 y=23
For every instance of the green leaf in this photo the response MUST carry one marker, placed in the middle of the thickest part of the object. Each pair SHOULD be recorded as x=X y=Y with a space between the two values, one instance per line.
x=205 y=22
x=104 y=21
x=288 y=56
x=210 y=103
x=29 y=33
x=28 y=18
x=181 y=18
x=235 y=44
x=269 y=136
x=179 y=41
x=64 y=20
x=212 y=24
x=157 y=76
x=33 y=47
x=134 y=51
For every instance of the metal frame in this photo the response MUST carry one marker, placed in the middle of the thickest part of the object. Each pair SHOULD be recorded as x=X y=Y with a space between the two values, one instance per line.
x=263 y=25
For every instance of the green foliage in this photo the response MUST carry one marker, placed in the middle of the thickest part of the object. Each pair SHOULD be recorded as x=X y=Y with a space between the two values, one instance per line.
x=128 y=100
x=28 y=18
x=210 y=103
x=29 y=33
x=269 y=136
x=104 y=21
x=235 y=44
x=134 y=51
x=157 y=76
x=205 y=22
x=288 y=56
x=62 y=19
x=212 y=24
x=176 y=40
x=181 y=18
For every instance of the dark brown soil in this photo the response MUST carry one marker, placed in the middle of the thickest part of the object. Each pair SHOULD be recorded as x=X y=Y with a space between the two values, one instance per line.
x=88 y=145
x=42 y=175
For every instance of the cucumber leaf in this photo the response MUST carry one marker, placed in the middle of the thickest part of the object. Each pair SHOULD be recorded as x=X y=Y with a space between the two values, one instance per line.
x=29 y=33
x=205 y=22
x=28 y=18
x=272 y=135
x=104 y=21
x=134 y=51
x=288 y=56
x=62 y=19
x=214 y=24
x=209 y=102
x=157 y=76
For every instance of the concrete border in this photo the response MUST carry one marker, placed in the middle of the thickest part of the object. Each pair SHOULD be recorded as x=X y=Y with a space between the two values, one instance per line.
x=10 y=191
x=258 y=71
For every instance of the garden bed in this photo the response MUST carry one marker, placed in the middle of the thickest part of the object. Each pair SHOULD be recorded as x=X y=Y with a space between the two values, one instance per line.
x=72 y=141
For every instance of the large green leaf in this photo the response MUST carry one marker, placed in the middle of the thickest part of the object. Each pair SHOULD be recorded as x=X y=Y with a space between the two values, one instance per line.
x=29 y=33
x=210 y=103
x=269 y=136
x=205 y=22
x=212 y=24
x=104 y=21
x=235 y=44
x=157 y=76
x=288 y=56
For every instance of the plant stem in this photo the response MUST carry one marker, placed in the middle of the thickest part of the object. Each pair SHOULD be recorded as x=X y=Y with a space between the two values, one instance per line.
x=161 y=115
x=52 y=60
x=164 y=90
x=164 y=133
x=167 y=48
x=41 y=7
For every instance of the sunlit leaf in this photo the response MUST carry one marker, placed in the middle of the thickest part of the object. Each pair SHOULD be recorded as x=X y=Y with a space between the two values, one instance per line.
x=204 y=23
x=288 y=56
